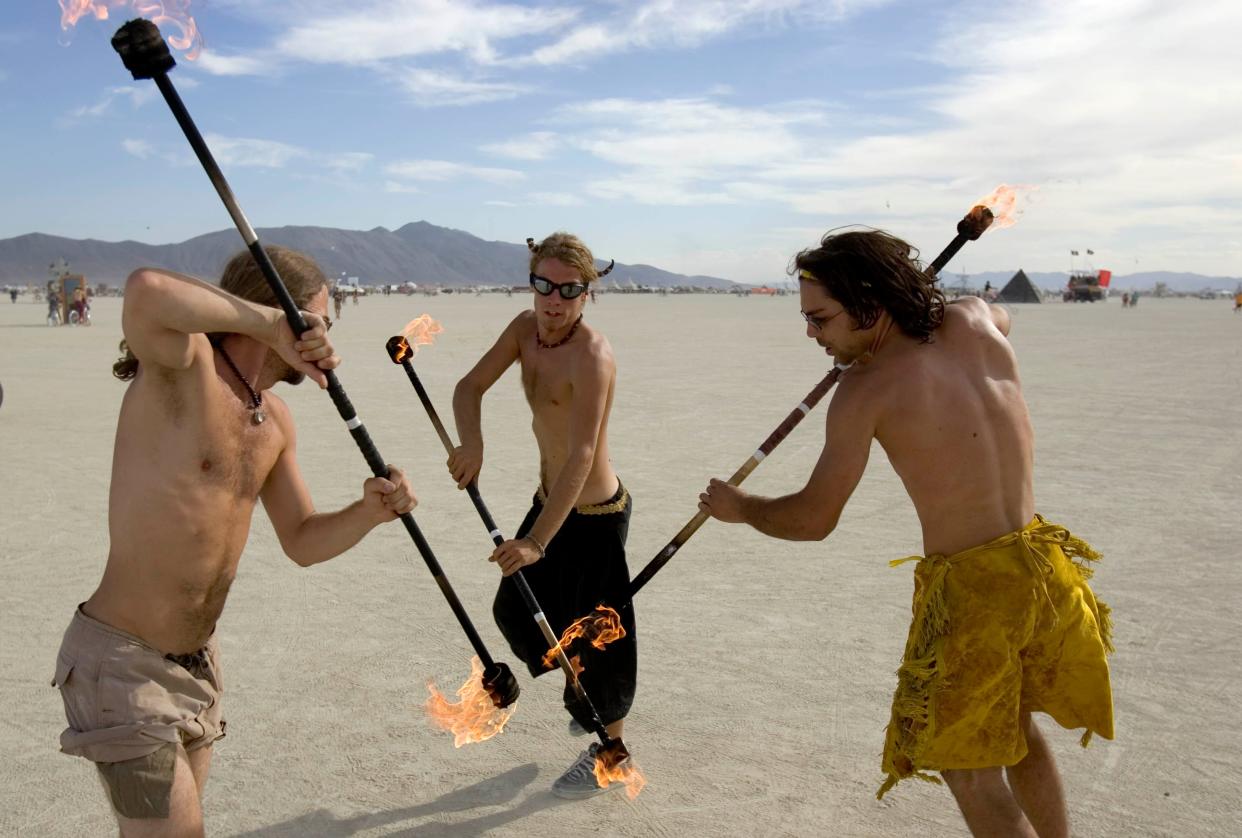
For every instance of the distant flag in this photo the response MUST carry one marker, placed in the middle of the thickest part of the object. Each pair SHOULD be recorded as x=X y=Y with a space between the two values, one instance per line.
x=1073 y=253
x=1090 y=252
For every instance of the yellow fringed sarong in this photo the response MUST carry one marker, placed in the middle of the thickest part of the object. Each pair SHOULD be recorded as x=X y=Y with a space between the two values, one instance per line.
x=1005 y=627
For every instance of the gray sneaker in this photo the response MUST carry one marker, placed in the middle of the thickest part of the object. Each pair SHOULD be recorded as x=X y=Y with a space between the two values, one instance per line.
x=578 y=782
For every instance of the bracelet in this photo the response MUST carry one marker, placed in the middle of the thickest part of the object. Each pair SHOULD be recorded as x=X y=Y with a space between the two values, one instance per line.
x=538 y=544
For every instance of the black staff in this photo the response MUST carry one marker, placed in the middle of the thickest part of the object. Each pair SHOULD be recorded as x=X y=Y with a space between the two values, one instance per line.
x=970 y=228
x=146 y=56
x=612 y=751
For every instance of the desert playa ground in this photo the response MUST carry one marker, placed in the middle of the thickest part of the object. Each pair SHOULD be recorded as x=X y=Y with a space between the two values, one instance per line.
x=766 y=668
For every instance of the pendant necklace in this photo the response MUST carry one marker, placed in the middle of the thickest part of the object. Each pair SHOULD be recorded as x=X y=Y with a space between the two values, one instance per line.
x=257 y=415
x=572 y=329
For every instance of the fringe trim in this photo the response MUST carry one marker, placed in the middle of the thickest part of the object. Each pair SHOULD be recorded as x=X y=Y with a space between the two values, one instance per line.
x=917 y=679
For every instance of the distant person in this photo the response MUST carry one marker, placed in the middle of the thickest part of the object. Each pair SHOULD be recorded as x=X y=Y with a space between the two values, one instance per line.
x=338 y=296
x=1004 y=623
x=53 y=307
x=571 y=546
x=355 y=295
x=13 y=295
x=200 y=440
x=1134 y=295
x=81 y=307
x=1125 y=300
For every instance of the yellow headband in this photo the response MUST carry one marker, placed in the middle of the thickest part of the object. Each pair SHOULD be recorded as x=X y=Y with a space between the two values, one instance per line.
x=805 y=274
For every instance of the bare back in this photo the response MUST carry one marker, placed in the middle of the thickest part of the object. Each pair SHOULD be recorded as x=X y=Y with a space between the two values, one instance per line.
x=548 y=377
x=951 y=417
x=188 y=466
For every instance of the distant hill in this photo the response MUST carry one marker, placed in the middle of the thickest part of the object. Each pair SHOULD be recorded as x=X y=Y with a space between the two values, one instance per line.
x=419 y=252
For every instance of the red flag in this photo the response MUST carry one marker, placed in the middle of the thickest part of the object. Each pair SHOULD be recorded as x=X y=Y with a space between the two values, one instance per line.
x=1105 y=278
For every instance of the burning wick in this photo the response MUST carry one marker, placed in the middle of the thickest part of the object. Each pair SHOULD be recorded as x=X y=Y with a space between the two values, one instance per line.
x=162 y=13
x=601 y=627
x=421 y=331
x=473 y=717
x=1003 y=204
x=615 y=765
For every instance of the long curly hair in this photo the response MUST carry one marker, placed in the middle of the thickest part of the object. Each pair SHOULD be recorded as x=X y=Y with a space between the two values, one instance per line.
x=870 y=272
x=243 y=278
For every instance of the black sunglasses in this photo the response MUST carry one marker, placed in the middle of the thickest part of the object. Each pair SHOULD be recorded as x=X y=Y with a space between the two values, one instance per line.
x=569 y=290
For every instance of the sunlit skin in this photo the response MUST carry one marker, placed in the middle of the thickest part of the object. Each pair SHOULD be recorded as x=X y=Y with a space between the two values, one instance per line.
x=189 y=465
x=951 y=417
x=569 y=390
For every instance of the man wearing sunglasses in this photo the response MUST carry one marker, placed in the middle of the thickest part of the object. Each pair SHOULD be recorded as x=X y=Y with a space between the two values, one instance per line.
x=572 y=542
x=1004 y=622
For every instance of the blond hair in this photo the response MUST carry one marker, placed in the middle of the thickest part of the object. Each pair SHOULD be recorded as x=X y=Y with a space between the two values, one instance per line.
x=568 y=249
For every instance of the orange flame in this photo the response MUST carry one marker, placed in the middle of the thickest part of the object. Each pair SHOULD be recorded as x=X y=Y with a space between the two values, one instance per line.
x=600 y=627
x=625 y=772
x=473 y=717
x=163 y=13
x=1003 y=202
x=421 y=331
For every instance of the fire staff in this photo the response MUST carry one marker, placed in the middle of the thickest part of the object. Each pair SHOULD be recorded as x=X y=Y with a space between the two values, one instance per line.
x=572 y=543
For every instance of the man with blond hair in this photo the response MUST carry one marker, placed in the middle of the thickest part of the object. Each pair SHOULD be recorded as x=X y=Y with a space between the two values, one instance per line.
x=572 y=542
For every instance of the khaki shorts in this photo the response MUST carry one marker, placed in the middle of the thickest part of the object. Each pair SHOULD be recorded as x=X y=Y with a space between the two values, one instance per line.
x=128 y=706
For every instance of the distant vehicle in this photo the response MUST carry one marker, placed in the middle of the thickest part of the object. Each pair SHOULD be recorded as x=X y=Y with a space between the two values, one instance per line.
x=1087 y=288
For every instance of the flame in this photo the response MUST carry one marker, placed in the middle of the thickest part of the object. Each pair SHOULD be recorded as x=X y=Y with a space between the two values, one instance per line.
x=1003 y=202
x=163 y=13
x=421 y=331
x=600 y=627
x=403 y=350
x=625 y=772
x=473 y=718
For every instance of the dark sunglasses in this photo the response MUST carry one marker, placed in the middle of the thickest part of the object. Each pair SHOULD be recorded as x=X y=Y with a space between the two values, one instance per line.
x=569 y=290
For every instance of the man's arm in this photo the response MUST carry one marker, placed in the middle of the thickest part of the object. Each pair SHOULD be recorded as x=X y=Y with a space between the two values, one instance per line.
x=811 y=513
x=592 y=378
x=998 y=315
x=466 y=460
x=165 y=317
x=309 y=537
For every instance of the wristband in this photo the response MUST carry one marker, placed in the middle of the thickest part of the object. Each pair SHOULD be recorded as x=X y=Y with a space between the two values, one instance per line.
x=538 y=545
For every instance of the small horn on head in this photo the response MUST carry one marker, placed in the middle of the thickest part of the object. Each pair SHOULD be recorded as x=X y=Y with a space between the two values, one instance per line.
x=530 y=245
x=611 y=264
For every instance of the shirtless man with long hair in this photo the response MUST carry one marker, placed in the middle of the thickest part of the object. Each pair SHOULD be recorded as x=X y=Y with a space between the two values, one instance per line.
x=1004 y=622
x=199 y=440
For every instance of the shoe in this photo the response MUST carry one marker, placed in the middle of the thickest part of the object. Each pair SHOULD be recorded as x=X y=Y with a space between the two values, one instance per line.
x=575 y=729
x=578 y=782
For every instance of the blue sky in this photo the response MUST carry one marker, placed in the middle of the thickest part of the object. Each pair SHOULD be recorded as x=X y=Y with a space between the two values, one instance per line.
x=696 y=135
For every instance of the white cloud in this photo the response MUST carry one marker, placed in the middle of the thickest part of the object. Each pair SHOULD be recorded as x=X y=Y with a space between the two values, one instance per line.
x=494 y=203
x=137 y=96
x=664 y=24
x=401 y=188
x=231 y=65
x=138 y=148
x=557 y=199
x=247 y=152
x=537 y=145
x=436 y=88
x=383 y=31
x=444 y=170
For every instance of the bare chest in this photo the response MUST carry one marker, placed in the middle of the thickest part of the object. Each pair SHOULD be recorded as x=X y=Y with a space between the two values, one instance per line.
x=546 y=380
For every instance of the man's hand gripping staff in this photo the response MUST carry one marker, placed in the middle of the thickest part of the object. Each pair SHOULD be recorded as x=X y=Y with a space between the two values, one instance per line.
x=970 y=228
x=145 y=54
x=613 y=762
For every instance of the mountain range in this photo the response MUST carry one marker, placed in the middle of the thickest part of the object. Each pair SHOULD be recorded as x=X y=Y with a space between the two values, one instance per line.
x=422 y=253
x=418 y=252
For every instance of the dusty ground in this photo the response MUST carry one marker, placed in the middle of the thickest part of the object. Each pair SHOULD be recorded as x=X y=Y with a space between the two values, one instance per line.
x=766 y=667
